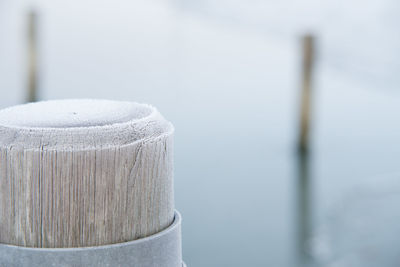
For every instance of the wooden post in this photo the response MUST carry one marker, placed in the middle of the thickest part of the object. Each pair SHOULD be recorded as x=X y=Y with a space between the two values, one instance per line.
x=303 y=187
x=77 y=173
x=32 y=52
x=305 y=109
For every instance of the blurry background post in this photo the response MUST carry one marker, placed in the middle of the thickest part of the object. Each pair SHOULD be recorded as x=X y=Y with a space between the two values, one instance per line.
x=306 y=91
x=303 y=189
x=32 y=57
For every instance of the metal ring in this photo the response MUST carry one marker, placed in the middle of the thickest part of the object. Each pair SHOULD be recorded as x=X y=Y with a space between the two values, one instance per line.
x=161 y=249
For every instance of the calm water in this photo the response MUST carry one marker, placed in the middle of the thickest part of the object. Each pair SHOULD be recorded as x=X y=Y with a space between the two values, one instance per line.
x=228 y=80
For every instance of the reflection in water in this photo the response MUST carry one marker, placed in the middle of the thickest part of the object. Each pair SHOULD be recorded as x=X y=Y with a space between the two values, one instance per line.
x=303 y=209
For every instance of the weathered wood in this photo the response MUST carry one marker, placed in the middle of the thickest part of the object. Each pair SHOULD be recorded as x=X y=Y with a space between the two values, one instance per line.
x=70 y=179
x=305 y=109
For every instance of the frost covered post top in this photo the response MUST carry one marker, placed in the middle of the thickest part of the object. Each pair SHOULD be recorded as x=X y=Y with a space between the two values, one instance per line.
x=73 y=113
x=79 y=173
x=81 y=124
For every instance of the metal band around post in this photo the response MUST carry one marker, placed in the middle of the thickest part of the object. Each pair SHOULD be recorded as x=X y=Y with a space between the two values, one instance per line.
x=161 y=249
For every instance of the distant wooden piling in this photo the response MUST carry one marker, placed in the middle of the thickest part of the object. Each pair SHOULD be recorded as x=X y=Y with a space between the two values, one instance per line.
x=77 y=173
x=32 y=57
x=308 y=54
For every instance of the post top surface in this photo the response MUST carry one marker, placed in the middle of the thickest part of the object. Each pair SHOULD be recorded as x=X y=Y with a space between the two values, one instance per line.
x=80 y=124
x=72 y=113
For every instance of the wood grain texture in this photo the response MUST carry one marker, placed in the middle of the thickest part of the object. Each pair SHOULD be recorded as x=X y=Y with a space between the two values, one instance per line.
x=86 y=186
